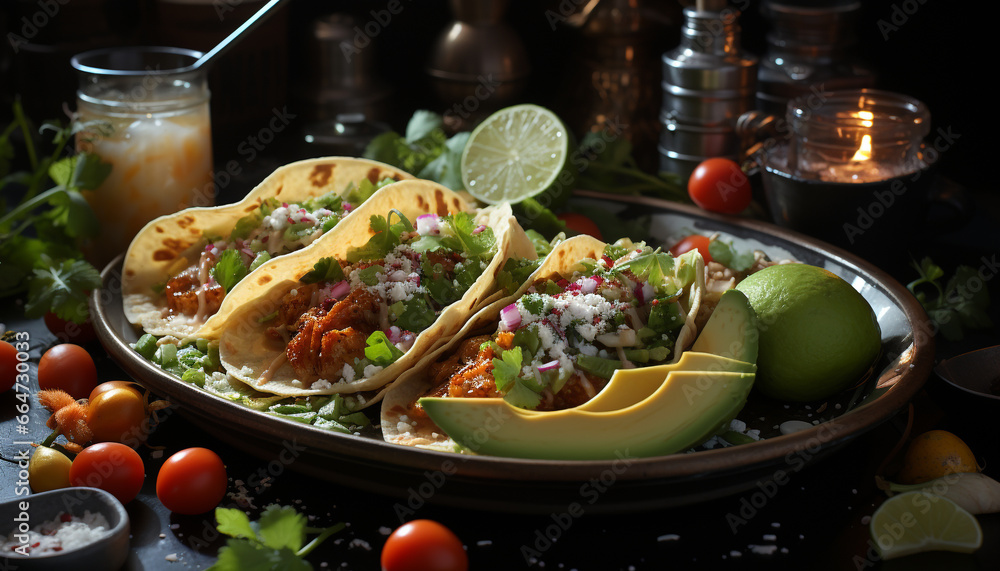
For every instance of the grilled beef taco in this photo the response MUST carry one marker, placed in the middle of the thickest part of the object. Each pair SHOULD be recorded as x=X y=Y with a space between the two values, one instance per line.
x=369 y=299
x=180 y=267
x=589 y=309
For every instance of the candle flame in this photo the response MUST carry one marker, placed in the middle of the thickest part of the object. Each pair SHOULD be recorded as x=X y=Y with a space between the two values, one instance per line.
x=864 y=152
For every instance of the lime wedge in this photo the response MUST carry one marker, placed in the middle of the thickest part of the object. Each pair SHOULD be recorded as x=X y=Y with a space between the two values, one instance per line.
x=914 y=522
x=516 y=153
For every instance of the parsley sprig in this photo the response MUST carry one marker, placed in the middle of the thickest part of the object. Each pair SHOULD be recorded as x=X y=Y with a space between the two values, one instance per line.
x=41 y=234
x=956 y=306
x=275 y=541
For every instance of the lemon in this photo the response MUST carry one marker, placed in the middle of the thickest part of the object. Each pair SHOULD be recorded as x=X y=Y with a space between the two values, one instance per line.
x=516 y=153
x=934 y=454
x=914 y=522
x=48 y=469
x=818 y=335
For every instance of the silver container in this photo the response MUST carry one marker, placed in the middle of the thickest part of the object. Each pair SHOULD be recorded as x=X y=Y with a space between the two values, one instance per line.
x=708 y=82
x=699 y=140
x=708 y=108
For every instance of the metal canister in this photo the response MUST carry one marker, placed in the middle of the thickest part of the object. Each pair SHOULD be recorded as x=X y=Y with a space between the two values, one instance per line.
x=708 y=82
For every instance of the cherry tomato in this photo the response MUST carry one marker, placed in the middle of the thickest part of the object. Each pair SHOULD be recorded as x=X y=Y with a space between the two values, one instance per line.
x=68 y=367
x=117 y=415
x=110 y=466
x=48 y=469
x=580 y=224
x=108 y=385
x=692 y=242
x=720 y=185
x=8 y=366
x=421 y=545
x=69 y=331
x=192 y=481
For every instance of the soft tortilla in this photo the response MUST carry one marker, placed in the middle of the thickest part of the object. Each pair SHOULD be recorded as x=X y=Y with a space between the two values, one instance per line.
x=250 y=356
x=168 y=244
x=563 y=261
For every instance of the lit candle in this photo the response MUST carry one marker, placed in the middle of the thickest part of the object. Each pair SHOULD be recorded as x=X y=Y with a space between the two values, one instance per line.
x=857 y=136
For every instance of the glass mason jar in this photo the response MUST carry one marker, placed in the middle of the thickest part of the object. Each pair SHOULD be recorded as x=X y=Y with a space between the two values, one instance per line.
x=861 y=135
x=146 y=112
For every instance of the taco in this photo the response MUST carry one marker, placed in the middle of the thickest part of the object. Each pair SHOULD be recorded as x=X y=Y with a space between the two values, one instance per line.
x=180 y=267
x=589 y=309
x=387 y=286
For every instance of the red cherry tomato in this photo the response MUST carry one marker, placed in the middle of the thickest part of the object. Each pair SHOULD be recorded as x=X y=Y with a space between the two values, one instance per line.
x=192 y=481
x=8 y=366
x=70 y=331
x=692 y=242
x=421 y=545
x=68 y=367
x=580 y=224
x=110 y=466
x=720 y=185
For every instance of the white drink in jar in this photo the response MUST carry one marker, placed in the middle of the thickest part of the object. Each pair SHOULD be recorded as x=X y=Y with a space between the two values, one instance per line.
x=152 y=123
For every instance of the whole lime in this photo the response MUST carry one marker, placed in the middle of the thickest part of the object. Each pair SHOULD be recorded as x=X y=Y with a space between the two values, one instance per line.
x=818 y=335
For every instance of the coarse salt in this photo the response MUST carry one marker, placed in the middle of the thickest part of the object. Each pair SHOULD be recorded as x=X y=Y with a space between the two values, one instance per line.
x=62 y=533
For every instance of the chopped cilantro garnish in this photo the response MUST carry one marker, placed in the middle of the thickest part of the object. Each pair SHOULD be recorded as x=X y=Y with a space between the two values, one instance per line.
x=507 y=368
x=386 y=238
x=324 y=270
x=230 y=269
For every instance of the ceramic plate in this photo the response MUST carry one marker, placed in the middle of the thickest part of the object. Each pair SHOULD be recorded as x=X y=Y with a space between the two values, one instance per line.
x=418 y=476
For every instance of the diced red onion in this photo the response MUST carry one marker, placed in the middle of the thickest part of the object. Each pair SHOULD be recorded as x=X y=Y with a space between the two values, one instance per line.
x=427 y=224
x=340 y=289
x=479 y=229
x=644 y=293
x=550 y=366
x=394 y=334
x=510 y=317
x=588 y=285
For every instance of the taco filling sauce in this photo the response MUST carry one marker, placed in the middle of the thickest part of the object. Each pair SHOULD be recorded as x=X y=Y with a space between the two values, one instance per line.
x=273 y=229
x=351 y=318
x=559 y=343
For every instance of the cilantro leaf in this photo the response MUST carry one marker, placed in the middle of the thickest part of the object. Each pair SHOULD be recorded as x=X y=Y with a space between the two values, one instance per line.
x=282 y=526
x=507 y=368
x=515 y=272
x=421 y=124
x=466 y=239
x=275 y=541
x=447 y=167
x=523 y=394
x=229 y=269
x=380 y=351
x=234 y=523
x=324 y=270
x=956 y=306
x=653 y=267
x=60 y=287
x=386 y=238
x=725 y=253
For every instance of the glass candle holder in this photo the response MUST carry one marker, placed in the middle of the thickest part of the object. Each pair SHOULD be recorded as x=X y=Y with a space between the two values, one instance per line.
x=146 y=112
x=856 y=136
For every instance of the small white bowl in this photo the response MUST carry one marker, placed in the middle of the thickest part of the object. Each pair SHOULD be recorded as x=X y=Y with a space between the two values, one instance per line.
x=106 y=554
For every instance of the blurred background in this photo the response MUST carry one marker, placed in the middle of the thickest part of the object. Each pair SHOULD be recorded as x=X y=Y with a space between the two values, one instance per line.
x=590 y=61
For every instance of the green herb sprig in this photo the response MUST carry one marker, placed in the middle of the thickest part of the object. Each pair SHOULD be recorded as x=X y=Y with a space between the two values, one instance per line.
x=41 y=234
x=275 y=541
x=957 y=305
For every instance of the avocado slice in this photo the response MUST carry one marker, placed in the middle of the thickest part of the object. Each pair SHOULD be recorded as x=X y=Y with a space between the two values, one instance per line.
x=731 y=330
x=686 y=409
x=629 y=386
